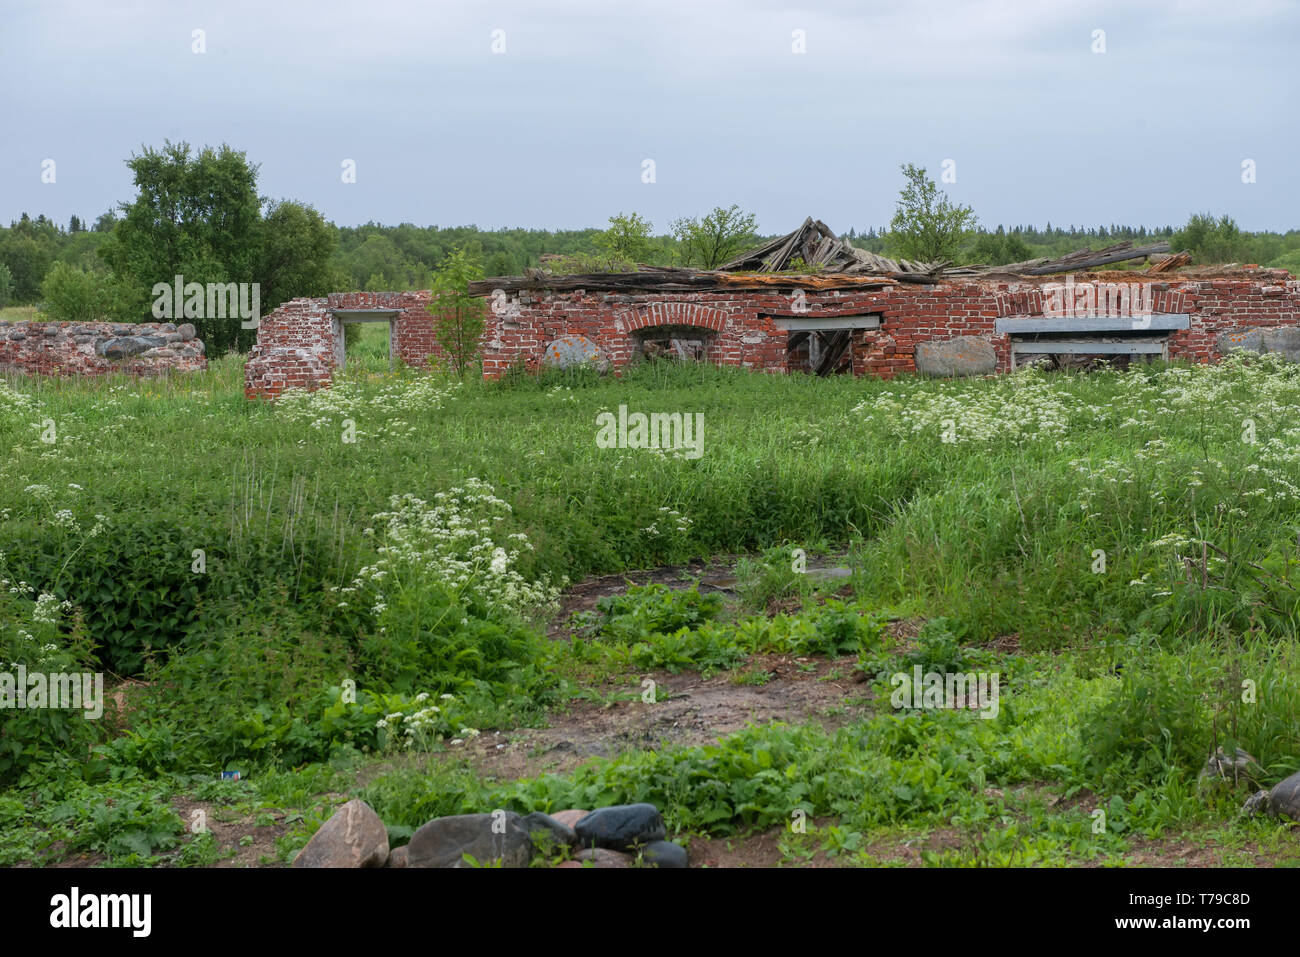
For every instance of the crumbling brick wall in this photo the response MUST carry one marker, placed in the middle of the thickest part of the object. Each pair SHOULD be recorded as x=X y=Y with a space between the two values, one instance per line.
x=744 y=329
x=99 y=348
x=300 y=344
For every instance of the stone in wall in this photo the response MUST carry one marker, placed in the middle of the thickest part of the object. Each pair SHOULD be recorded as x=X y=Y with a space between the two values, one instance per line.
x=1286 y=342
x=99 y=348
x=1248 y=340
x=958 y=356
x=569 y=352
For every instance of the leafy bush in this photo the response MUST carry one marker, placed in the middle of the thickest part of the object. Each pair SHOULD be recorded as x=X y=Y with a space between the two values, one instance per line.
x=73 y=295
x=427 y=638
x=40 y=635
x=1155 y=725
x=655 y=609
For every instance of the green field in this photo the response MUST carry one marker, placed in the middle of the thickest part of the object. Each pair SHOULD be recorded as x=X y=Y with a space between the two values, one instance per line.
x=1122 y=549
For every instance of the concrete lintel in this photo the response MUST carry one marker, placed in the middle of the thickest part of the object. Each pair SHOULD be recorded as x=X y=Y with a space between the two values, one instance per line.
x=1156 y=322
x=830 y=324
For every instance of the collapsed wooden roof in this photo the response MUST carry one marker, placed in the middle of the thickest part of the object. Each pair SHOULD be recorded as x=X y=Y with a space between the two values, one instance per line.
x=813 y=257
x=817 y=247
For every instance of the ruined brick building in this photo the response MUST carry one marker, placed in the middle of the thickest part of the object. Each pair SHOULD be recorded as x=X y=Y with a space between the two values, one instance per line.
x=845 y=310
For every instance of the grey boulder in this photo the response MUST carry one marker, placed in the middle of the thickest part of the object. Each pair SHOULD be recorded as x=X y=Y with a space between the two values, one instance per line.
x=1282 y=801
x=959 y=356
x=621 y=827
x=574 y=351
x=354 y=836
x=664 y=854
x=498 y=838
x=1247 y=340
x=1285 y=342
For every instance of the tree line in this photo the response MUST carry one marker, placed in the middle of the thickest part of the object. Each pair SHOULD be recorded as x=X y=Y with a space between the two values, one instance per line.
x=197 y=213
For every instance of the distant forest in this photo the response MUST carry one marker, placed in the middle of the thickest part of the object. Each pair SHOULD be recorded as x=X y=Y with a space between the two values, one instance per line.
x=377 y=258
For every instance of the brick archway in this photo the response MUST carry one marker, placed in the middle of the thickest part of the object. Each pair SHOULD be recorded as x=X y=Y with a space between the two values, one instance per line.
x=671 y=314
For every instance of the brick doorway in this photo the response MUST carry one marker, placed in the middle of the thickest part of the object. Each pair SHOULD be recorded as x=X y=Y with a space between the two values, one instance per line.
x=347 y=317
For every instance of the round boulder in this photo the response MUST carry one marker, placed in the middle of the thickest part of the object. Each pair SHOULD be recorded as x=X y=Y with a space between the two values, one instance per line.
x=353 y=837
x=574 y=351
x=621 y=827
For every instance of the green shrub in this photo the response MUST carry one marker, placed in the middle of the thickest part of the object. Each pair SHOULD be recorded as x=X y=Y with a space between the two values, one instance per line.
x=38 y=635
x=655 y=609
x=73 y=295
x=1154 y=726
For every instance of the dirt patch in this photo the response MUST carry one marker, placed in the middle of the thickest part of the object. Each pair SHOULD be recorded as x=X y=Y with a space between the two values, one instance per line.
x=252 y=843
x=687 y=710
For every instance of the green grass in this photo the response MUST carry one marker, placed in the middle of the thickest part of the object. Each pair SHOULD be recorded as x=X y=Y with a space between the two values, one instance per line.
x=1136 y=533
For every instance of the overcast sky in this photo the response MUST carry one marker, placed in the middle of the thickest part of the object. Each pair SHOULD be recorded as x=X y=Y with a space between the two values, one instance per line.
x=554 y=131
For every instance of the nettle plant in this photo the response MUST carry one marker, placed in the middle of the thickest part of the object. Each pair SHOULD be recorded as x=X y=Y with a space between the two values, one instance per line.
x=40 y=633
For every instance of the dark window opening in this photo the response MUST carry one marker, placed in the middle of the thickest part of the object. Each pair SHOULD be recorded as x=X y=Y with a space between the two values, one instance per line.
x=820 y=352
x=679 y=343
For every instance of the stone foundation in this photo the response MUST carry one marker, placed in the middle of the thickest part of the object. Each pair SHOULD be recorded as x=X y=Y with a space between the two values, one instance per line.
x=99 y=348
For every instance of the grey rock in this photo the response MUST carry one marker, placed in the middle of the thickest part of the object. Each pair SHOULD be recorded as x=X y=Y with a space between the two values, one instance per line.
x=572 y=352
x=545 y=828
x=186 y=330
x=1286 y=342
x=959 y=356
x=602 y=857
x=570 y=817
x=1283 y=800
x=1248 y=340
x=621 y=826
x=124 y=347
x=354 y=836
x=167 y=327
x=17 y=336
x=664 y=854
x=1219 y=767
x=1255 y=803
x=445 y=841
x=397 y=857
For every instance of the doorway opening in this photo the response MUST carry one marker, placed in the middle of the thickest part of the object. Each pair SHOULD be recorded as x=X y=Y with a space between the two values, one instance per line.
x=366 y=338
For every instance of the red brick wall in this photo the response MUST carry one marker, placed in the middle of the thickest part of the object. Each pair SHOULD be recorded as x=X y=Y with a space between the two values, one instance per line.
x=298 y=345
x=745 y=335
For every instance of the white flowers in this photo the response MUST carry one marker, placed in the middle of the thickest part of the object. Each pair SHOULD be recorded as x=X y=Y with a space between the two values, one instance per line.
x=1019 y=407
x=46 y=609
x=374 y=410
x=450 y=542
